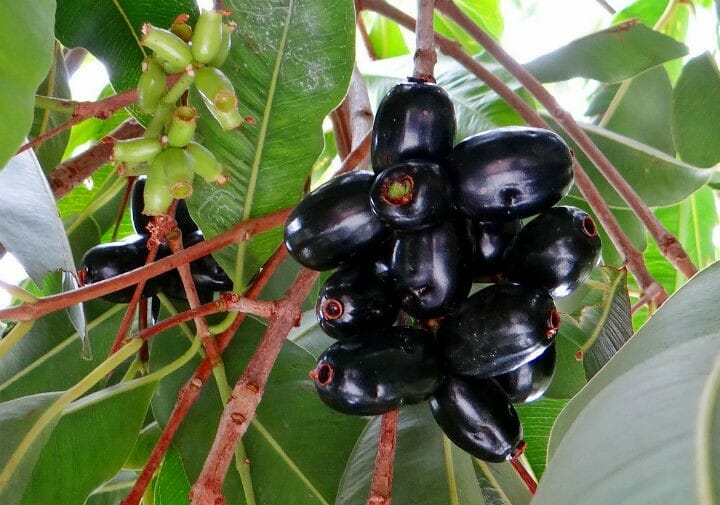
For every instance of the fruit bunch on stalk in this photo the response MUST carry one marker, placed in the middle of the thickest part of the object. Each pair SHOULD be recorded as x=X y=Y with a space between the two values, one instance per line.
x=408 y=242
x=167 y=158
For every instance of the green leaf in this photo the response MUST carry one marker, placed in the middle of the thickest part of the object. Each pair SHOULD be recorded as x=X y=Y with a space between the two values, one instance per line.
x=447 y=474
x=647 y=11
x=385 y=36
x=111 y=31
x=33 y=231
x=643 y=110
x=649 y=434
x=113 y=491
x=48 y=357
x=172 y=486
x=688 y=315
x=658 y=178
x=609 y=55
x=486 y=15
x=692 y=222
x=144 y=445
x=26 y=36
x=99 y=432
x=56 y=85
x=17 y=417
x=696 y=111
x=284 y=467
x=537 y=421
x=280 y=56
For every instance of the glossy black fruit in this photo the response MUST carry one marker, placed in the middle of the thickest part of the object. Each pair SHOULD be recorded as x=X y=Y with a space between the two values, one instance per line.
x=377 y=372
x=490 y=239
x=556 y=251
x=355 y=300
x=415 y=120
x=334 y=224
x=509 y=173
x=206 y=273
x=497 y=329
x=431 y=269
x=108 y=260
x=529 y=382
x=140 y=221
x=478 y=417
x=410 y=195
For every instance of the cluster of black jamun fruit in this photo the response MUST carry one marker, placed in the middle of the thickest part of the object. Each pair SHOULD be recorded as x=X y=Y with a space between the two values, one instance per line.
x=111 y=259
x=409 y=241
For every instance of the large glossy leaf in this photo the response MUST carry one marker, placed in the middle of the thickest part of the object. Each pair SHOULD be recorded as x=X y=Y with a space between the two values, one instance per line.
x=647 y=11
x=290 y=64
x=113 y=491
x=696 y=111
x=385 y=36
x=485 y=14
x=642 y=110
x=26 y=36
x=32 y=229
x=610 y=55
x=95 y=434
x=658 y=178
x=297 y=447
x=537 y=420
x=111 y=31
x=17 y=417
x=48 y=357
x=650 y=435
x=172 y=486
x=428 y=470
x=688 y=315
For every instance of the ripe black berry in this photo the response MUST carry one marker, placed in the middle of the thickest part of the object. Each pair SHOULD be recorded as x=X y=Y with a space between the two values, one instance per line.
x=108 y=260
x=490 y=239
x=354 y=300
x=431 y=269
x=529 y=382
x=498 y=329
x=377 y=372
x=509 y=173
x=478 y=417
x=415 y=120
x=410 y=195
x=335 y=223
x=556 y=251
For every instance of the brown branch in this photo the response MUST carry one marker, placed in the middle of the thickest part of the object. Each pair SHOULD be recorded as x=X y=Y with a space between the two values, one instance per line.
x=425 y=57
x=351 y=122
x=381 y=484
x=191 y=390
x=340 y=118
x=101 y=109
x=73 y=171
x=356 y=157
x=668 y=244
x=238 y=233
x=248 y=391
x=632 y=257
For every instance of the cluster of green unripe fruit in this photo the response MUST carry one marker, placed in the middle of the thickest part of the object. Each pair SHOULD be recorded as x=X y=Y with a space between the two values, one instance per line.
x=167 y=153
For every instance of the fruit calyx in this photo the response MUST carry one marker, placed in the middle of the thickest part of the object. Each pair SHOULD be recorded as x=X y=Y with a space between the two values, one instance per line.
x=398 y=191
x=322 y=374
x=332 y=309
x=588 y=226
x=553 y=323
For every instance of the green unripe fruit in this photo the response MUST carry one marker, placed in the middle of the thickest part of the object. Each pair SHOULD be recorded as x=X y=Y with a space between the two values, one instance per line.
x=181 y=28
x=179 y=172
x=151 y=87
x=173 y=53
x=216 y=88
x=227 y=120
x=224 y=51
x=157 y=198
x=182 y=127
x=208 y=36
x=206 y=165
x=136 y=150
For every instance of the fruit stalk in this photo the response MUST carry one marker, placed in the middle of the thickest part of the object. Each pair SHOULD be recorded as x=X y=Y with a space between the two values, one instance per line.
x=425 y=57
x=381 y=484
x=247 y=393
